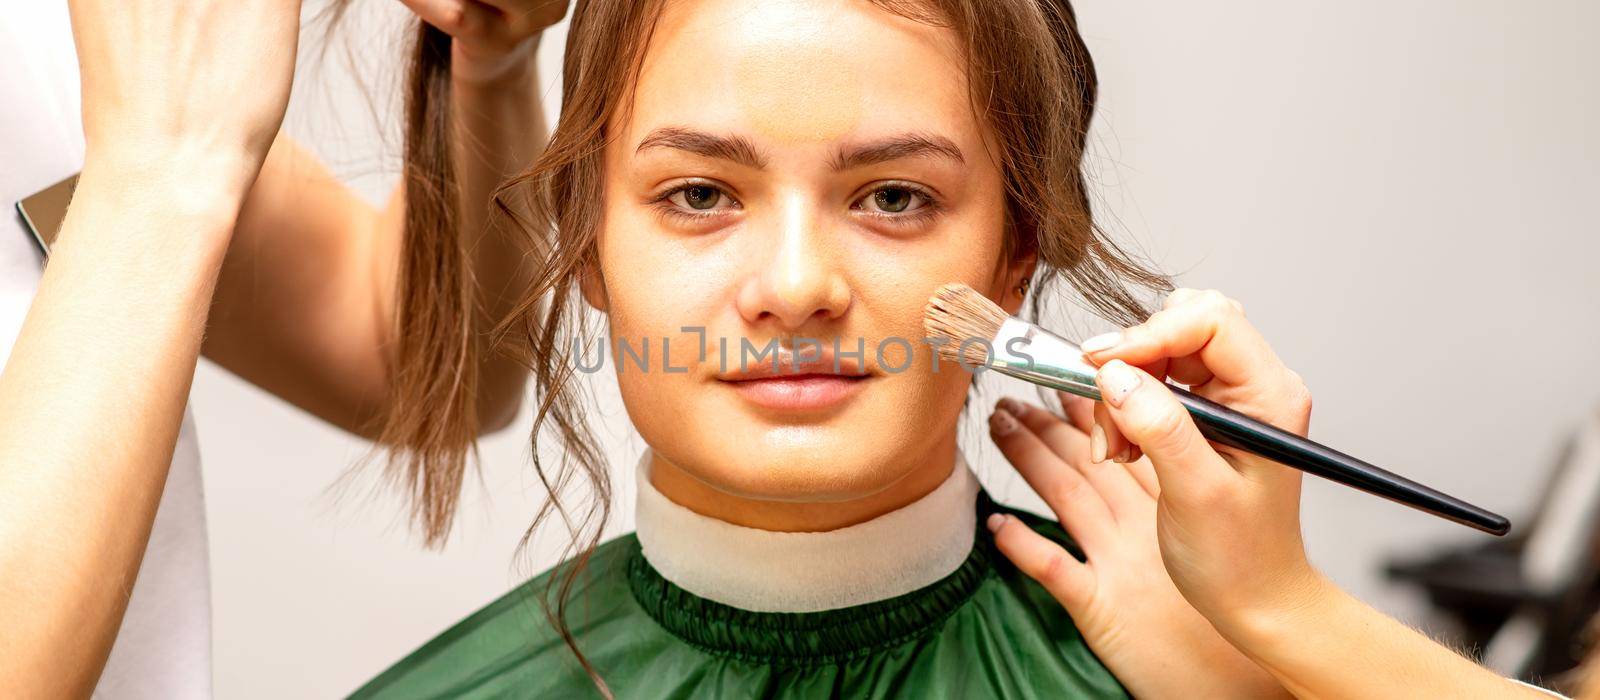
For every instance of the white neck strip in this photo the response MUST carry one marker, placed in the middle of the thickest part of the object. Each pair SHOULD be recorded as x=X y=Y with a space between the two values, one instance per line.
x=765 y=571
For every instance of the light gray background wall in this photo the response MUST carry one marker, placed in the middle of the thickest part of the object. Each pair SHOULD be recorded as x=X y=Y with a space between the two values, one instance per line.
x=1403 y=194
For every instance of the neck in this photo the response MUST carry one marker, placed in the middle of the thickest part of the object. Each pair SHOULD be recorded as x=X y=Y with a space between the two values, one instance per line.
x=928 y=470
x=761 y=570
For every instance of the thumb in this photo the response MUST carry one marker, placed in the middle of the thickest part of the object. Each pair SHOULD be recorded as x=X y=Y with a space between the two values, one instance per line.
x=1147 y=413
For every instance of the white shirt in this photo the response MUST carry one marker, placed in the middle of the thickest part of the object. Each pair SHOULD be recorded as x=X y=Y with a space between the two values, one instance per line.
x=163 y=649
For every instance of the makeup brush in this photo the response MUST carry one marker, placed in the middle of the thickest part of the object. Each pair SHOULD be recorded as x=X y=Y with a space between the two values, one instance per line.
x=980 y=333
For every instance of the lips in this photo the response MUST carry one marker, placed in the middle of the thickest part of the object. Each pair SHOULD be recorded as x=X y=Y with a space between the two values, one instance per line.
x=806 y=392
x=808 y=381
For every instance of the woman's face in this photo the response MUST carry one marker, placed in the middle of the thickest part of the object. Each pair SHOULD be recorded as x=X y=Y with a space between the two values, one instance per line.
x=795 y=169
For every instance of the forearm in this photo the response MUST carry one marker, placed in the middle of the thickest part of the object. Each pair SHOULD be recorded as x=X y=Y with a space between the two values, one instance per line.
x=306 y=302
x=1328 y=644
x=500 y=131
x=302 y=301
x=90 y=406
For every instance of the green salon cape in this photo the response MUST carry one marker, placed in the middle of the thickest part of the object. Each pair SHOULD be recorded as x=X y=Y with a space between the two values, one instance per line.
x=984 y=631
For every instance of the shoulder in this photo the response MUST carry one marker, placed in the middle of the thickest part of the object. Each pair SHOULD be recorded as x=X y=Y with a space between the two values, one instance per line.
x=513 y=642
x=1012 y=611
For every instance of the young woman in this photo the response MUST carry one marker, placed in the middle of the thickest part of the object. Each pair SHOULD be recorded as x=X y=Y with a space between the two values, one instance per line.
x=728 y=173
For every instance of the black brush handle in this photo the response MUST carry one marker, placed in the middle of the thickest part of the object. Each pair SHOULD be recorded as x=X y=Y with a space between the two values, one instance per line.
x=1226 y=426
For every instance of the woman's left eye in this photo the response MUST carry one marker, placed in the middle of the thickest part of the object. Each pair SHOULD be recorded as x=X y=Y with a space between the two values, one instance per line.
x=893 y=199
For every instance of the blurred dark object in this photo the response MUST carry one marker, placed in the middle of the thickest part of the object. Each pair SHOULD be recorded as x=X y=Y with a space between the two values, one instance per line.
x=1523 y=603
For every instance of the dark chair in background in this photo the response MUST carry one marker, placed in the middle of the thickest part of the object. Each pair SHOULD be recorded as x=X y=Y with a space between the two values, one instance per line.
x=1524 y=602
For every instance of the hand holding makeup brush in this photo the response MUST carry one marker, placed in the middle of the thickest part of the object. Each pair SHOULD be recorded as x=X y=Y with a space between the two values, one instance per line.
x=1228 y=520
x=975 y=331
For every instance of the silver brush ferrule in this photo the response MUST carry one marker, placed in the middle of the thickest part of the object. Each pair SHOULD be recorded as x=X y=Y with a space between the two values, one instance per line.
x=1033 y=354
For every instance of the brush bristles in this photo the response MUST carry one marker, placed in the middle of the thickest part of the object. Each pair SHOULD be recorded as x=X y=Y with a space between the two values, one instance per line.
x=959 y=313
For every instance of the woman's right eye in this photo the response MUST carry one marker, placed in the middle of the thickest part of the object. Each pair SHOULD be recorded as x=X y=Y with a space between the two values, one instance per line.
x=700 y=198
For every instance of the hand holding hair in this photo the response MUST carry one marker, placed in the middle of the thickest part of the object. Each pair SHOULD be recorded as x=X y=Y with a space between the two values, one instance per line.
x=490 y=39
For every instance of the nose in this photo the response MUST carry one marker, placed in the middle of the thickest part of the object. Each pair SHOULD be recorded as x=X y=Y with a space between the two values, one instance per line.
x=799 y=280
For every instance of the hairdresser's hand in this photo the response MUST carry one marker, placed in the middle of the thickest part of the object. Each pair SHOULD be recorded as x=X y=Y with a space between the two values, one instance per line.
x=490 y=39
x=184 y=93
x=181 y=99
x=1228 y=521
x=1121 y=598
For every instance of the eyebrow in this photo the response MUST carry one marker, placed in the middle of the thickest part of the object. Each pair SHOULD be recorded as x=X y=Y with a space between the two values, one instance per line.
x=895 y=148
x=738 y=149
x=735 y=148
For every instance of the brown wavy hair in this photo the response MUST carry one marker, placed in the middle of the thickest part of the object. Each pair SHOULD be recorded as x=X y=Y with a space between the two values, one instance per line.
x=1031 y=78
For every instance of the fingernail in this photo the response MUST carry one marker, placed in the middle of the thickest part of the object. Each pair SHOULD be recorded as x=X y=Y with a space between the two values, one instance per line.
x=1125 y=456
x=1104 y=341
x=995 y=521
x=1001 y=422
x=1097 y=444
x=1012 y=406
x=1117 y=380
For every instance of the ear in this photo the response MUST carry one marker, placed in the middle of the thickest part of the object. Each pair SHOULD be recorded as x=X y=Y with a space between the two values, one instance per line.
x=1020 y=269
x=593 y=287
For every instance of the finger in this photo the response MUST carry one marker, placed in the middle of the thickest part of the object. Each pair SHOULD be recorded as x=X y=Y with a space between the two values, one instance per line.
x=1189 y=369
x=511 y=16
x=1117 y=446
x=1155 y=368
x=1206 y=324
x=520 y=19
x=1070 y=581
x=1115 y=485
x=1069 y=443
x=1079 y=410
x=1076 y=503
x=1144 y=474
x=458 y=18
x=523 y=13
x=1181 y=295
x=1145 y=410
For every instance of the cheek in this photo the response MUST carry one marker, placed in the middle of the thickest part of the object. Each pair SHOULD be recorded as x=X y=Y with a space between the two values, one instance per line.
x=654 y=283
x=894 y=278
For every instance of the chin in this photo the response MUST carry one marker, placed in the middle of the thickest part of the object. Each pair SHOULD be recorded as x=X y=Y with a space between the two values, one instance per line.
x=802 y=464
